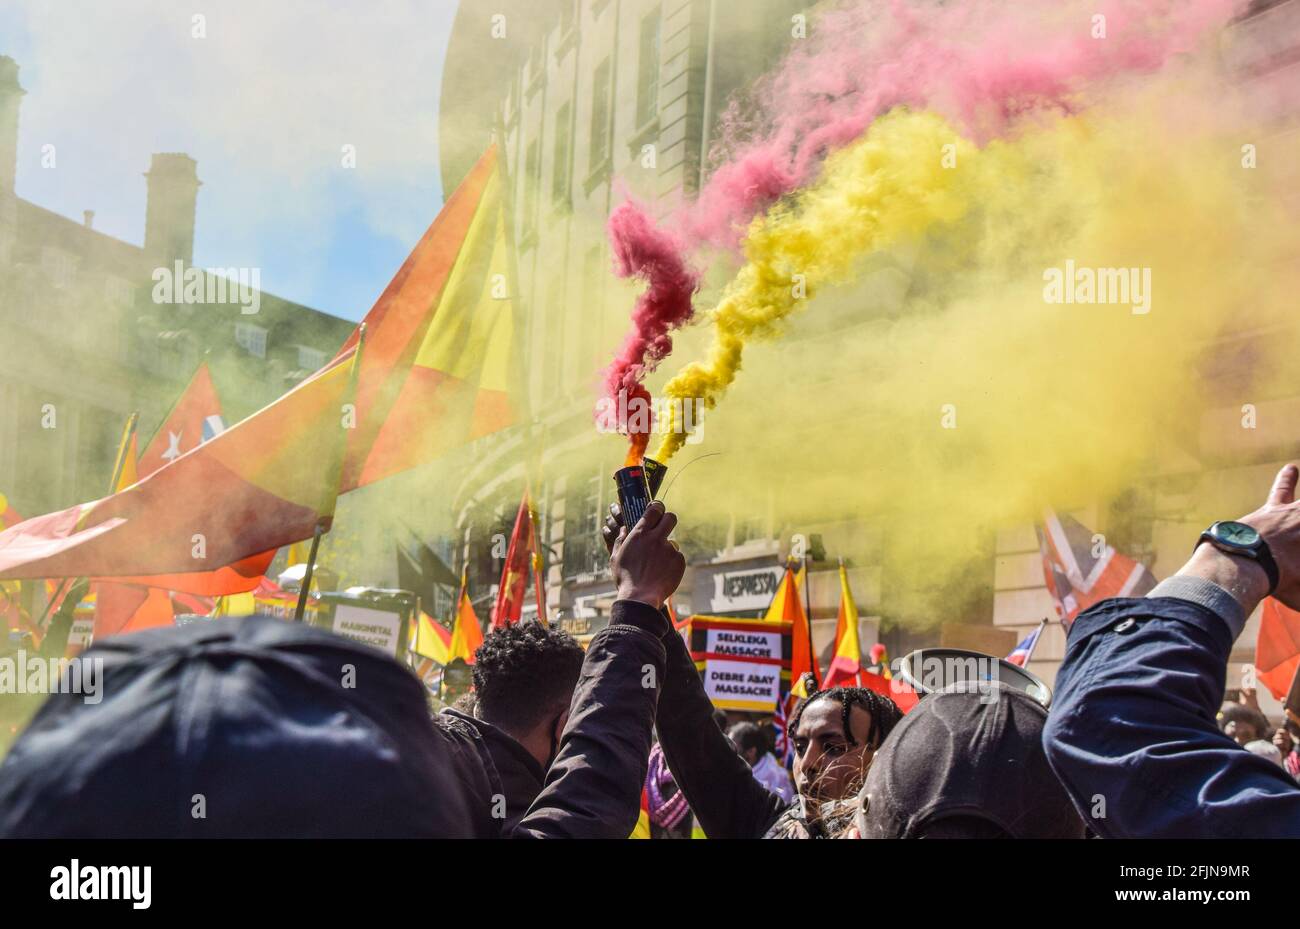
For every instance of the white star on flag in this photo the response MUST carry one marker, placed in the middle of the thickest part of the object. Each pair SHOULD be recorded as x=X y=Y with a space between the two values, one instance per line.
x=173 y=445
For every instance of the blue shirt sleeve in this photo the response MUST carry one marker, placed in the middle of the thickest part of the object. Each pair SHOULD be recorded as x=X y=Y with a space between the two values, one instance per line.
x=1132 y=732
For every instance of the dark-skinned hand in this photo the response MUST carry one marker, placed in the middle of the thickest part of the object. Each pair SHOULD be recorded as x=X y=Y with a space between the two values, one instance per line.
x=644 y=562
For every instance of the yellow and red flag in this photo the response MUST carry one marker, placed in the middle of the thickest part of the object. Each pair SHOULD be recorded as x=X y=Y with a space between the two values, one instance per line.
x=514 y=576
x=787 y=608
x=431 y=640
x=846 y=660
x=642 y=828
x=439 y=339
x=266 y=482
x=443 y=645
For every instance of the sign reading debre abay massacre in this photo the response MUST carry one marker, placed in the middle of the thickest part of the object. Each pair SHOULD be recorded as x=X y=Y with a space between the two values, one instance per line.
x=745 y=663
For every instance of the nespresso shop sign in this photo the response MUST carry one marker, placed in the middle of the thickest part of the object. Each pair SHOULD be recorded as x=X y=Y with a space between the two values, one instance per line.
x=744 y=589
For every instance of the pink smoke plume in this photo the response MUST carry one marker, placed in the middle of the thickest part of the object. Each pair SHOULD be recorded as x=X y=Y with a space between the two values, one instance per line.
x=643 y=250
x=983 y=64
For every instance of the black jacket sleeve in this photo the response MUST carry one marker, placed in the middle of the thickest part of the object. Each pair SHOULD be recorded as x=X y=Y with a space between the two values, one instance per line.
x=593 y=788
x=724 y=796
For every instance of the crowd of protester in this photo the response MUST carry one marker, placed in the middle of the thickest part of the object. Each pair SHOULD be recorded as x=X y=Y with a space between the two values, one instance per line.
x=259 y=727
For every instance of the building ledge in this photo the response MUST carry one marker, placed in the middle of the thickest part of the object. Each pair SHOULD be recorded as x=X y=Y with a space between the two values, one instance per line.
x=598 y=175
x=566 y=42
x=643 y=135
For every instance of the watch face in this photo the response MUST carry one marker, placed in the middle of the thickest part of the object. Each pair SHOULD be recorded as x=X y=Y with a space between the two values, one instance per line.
x=1236 y=534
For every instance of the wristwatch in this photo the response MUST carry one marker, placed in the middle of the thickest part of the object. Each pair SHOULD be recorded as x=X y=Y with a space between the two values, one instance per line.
x=1239 y=539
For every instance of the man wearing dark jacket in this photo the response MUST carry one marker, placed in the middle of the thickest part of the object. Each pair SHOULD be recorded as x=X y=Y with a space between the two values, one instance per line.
x=1132 y=732
x=524 y=678
x=718 y=783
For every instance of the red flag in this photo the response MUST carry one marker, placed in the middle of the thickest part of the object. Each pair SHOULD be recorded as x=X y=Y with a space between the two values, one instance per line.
x=786 y=608
x=1277 y=650
x=194 y=419
x=266 y=482
x=902 y=695
x=514 y=576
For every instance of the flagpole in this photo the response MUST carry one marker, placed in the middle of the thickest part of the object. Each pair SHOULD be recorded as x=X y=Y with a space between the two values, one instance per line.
x=1291 y=706
x=807 y=610
x=303 y=592
x=119 y=465
x=1034 y=644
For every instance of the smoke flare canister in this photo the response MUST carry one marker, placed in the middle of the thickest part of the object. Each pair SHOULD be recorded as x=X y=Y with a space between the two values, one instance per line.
x=633 y=493
x=654 y=475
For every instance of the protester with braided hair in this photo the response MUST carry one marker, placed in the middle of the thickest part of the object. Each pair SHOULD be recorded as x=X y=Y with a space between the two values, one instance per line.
x=835 y=734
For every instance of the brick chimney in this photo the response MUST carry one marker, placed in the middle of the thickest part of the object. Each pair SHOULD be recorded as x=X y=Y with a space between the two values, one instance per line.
x=169 y=212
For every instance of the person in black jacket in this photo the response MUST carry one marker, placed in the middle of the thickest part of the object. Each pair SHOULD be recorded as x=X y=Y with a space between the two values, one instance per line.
x=524 y=678
x=726 y=799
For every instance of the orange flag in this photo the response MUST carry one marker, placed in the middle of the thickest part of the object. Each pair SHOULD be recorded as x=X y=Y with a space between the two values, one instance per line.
x=466 y=633
x=786 y=607
x=1277 y=650
x=439 y=339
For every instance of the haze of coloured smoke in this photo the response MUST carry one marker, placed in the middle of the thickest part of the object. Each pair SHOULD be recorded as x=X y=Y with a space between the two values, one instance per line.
x=983 y=64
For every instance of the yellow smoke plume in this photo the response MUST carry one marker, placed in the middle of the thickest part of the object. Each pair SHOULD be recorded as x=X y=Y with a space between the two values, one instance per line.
x=927 y=381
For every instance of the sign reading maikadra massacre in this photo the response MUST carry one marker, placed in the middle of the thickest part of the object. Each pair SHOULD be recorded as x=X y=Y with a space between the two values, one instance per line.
x=377 y=628
x=745 y=663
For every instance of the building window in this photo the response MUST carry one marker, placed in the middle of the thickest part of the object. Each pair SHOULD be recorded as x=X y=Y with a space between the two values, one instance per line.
x=592 y=310
x=59 y=265
x=120 y=292
x=584 y=551
x=534 y=63
x=532 y=180
x=555 y=325
x=309 y=359
x=251 y=338
x=600 y=122
x=560 y=172
x=647 y=82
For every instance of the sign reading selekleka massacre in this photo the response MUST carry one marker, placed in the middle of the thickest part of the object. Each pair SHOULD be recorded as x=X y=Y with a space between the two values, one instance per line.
x=745 y=663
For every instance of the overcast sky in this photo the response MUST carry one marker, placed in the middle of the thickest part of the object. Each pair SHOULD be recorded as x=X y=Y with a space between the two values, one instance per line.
x=265 y=102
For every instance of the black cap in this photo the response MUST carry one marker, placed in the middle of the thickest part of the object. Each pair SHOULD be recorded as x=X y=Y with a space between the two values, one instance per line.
x=967 y=760
x=247 y=727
